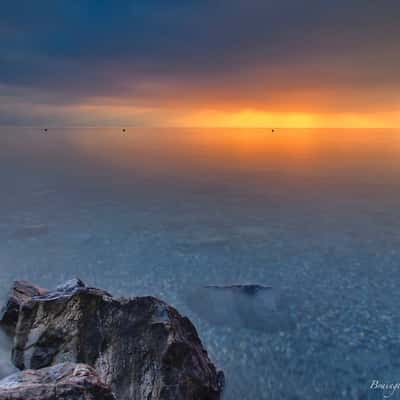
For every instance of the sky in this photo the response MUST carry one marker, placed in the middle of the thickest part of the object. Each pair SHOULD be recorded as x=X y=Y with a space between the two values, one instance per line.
x=242 y=63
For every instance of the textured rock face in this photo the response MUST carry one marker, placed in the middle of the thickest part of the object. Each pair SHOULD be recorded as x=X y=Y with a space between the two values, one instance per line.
x=61 y=382
x=141 y=347
x=255 y=307
x=20 y=292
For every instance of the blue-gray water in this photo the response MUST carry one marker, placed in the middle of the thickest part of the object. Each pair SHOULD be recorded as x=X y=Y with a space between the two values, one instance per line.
x=313 y=213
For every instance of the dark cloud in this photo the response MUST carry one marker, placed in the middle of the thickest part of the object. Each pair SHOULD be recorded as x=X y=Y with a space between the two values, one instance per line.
x=148 y=51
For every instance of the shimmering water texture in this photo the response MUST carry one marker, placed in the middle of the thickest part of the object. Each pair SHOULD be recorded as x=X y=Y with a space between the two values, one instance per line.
x=282 y=247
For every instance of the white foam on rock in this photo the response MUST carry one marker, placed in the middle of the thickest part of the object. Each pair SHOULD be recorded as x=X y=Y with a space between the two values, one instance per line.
x=6 y=367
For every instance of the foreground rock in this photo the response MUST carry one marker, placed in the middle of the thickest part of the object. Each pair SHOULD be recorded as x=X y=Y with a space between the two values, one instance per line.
x=62 y=382
x=141 y=347
x=20 y=292
x=248 y=306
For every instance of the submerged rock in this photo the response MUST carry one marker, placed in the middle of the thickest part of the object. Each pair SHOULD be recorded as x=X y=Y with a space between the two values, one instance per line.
x=20 y=292
x=143 y=348
x=66 y=381
x=249 y=306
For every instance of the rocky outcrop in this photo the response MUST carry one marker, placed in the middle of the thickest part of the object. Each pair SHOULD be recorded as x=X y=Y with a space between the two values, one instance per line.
x=61 y=382
x=141 y=347
x=248 y=306
x=20 y=292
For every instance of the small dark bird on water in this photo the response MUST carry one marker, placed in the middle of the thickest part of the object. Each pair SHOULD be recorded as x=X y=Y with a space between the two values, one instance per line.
x=45 y=129
x=273 y=130
x=124 y=130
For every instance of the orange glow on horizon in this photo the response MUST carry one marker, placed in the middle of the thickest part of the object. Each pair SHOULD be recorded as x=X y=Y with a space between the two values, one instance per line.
x=99 y=114
x=205 y=152
x=246 y=118
x=259 y=119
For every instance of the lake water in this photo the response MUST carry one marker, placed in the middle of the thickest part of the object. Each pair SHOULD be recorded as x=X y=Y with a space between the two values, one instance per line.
x=312 y=213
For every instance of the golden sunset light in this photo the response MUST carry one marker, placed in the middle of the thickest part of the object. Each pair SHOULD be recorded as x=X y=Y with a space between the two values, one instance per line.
x=199 y=200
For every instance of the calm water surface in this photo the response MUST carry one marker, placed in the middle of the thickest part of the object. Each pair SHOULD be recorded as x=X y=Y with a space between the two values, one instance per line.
x=313 y=213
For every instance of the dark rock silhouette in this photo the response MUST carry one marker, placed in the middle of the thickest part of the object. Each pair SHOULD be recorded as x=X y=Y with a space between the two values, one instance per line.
x=61 y=382
x=141 y=347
